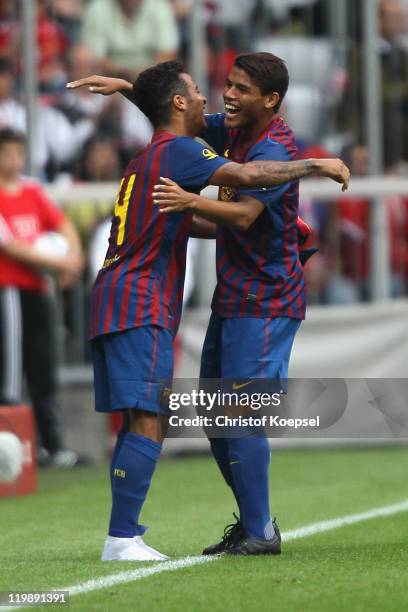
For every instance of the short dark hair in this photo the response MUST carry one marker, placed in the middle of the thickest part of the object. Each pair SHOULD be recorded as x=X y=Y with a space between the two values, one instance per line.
x=8 y=135
x=268 y=71
x=154 y=89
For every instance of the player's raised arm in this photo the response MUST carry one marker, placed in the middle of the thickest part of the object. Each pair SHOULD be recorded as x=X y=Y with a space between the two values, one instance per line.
x=270 y=173
x=106 y=86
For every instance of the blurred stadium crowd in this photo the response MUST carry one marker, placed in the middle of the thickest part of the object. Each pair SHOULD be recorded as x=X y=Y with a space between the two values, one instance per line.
x=86 y=138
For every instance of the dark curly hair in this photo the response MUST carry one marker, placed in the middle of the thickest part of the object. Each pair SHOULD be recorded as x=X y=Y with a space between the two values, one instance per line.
x=154 y=89
x=268 y=71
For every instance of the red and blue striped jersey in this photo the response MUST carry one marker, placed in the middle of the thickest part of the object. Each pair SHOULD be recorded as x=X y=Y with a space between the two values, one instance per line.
x=258 y=271
x=142 y=279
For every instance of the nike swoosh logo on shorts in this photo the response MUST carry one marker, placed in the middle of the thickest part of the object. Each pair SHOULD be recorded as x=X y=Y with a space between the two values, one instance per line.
x=237 y=386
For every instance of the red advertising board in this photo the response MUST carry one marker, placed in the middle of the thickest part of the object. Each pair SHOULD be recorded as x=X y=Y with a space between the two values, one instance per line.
x=19 y=420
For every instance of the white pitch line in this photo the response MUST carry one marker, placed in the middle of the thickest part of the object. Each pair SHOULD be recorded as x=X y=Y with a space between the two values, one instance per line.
x=131 y=575
x=168 y=566
x=322 y=526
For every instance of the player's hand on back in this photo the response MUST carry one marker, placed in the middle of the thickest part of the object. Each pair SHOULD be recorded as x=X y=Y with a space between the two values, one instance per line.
x=335 y=169
x=101 y=84
x=171 y=197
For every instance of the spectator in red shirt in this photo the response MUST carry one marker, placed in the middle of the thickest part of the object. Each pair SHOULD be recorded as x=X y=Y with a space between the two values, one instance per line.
x=27 y=312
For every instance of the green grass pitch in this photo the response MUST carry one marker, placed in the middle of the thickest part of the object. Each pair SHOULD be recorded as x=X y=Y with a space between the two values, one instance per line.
x=54 y=539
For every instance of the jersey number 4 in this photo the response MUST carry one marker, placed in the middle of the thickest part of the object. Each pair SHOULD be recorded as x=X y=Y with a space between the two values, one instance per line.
x=122 y=205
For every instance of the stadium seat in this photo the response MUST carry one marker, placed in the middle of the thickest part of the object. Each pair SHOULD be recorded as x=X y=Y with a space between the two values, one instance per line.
x=310 y=61
x=312 y=67
x=302 y=101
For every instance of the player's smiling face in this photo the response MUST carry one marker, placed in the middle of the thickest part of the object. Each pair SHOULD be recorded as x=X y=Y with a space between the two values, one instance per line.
x=244 y=103
x=196 y=101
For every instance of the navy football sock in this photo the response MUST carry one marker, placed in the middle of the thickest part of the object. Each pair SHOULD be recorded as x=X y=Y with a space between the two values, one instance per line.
x=135 y=464
x=220 y=450
x=249 y=461
x=115 y=452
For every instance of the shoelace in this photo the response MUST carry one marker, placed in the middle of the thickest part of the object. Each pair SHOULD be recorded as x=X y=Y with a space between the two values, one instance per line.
x=231 y=529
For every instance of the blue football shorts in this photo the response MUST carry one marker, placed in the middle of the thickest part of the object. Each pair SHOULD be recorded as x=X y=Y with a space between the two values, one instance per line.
x=243 y=348
x=132 y=369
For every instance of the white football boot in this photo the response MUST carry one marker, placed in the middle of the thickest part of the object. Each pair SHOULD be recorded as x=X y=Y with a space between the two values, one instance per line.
x=129 y=549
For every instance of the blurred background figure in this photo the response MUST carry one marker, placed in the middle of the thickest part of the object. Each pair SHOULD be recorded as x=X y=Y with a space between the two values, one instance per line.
x=12 y=112
x=234 y=19
x=353 y=223
x=128 y=35
x=394 y=64
x=182 y=13
x=68 y=14
x=100 y=161
x=51 y=42
x=393 y=51
x=28 y=342
x=89 y=115
x=86 y=114
x=57 y=139
x=97 y=109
